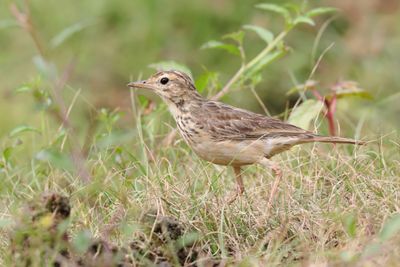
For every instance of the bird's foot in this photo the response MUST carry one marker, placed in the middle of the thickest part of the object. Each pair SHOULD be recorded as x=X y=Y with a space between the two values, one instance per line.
x=232 y=198
x=278 y=176
x=239 y=192
x=239 y=185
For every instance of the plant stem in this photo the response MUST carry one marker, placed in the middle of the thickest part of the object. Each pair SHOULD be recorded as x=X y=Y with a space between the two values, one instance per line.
x=267 y=49
x=249 y=65
x=330 y=115
x=25 y=22
x=229 y=84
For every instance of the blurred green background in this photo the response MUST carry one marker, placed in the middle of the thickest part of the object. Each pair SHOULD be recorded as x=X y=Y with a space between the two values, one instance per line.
x=117 y=40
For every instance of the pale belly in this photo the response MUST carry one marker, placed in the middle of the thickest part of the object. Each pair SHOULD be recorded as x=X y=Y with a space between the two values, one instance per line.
x=231 y=152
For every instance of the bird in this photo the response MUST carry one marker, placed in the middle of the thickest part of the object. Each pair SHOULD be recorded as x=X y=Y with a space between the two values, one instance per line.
x=227 y=135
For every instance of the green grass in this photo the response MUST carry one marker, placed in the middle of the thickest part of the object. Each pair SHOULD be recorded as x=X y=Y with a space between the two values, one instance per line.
x=330 y=208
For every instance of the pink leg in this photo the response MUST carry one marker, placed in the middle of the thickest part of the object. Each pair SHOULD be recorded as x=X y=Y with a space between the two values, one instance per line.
x=239 y=184
x=278 y=176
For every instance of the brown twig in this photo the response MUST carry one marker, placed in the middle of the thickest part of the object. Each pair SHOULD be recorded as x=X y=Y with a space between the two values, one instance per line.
x=25 y=22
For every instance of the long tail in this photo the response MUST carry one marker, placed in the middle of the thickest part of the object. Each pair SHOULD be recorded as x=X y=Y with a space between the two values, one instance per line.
x=335 y=139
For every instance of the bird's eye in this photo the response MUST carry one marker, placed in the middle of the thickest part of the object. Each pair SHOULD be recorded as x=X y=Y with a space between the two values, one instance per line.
x=164 y=80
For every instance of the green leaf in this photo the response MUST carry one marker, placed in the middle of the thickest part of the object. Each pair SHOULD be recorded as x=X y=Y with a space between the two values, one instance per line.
x=55 y=158
x=320 y=11
x=295 y=8
x=82 y=241
x=170 y=65
x=29 y=86
x=204 y=80
x=268 y=59
x=68 y=32
x=220 y=45
x=303 y=19
x=307 y=111
x=390 y=228
x=23 y=88
x=362 y=94
x=264 y=34
x=22 y=129
x=42 y=98
x=350 y=88
x=277 y=9
x=7 y=153
x=236 y=36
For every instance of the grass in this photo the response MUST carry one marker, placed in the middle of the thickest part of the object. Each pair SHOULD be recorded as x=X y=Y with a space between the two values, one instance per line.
x=332 y=206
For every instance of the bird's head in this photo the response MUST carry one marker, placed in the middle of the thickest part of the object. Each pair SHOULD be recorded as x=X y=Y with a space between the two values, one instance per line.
x=175 y=87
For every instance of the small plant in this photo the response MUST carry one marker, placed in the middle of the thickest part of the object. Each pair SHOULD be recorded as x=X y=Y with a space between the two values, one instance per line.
x=327 y=102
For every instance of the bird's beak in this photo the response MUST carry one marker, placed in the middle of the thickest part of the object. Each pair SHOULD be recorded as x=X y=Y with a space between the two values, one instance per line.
x=139 y=85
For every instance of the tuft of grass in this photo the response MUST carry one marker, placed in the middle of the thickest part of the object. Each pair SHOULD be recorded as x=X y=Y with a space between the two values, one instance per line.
x=335 y=205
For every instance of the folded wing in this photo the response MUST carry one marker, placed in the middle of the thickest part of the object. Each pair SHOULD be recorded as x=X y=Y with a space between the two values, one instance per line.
x=225 y=122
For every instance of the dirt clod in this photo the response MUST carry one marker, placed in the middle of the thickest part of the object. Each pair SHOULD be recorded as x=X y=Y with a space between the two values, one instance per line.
x=59 y=205
x=168 y=228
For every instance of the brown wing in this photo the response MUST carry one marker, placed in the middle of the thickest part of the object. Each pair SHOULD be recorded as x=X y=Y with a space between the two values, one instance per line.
x=225 y=122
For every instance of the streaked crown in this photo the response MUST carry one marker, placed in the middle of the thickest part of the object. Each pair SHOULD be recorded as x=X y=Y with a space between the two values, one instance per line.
x=173 y=86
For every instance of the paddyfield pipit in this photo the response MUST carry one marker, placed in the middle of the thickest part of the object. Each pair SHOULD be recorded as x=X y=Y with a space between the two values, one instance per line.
x=227 y=135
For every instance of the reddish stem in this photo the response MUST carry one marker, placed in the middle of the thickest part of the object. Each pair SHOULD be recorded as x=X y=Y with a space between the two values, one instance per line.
x=317 y=95
x=330 y=114
x=330 y=106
